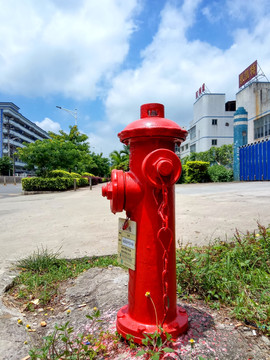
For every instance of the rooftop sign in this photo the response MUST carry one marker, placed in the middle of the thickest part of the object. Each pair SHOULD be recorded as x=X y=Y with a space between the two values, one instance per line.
x=249 y=73
x=200 y=91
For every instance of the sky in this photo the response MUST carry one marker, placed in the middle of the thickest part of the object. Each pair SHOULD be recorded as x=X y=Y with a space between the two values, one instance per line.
x=106 y=58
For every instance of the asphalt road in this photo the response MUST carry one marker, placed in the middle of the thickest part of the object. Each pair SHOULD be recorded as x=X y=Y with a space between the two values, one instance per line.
x=10 y=190
x=79 y=223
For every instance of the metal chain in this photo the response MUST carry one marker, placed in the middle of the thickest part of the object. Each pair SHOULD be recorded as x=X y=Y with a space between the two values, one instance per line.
x=163 y=213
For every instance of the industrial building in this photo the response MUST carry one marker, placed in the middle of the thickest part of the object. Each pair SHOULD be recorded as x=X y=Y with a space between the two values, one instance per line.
x=212 y=124
x=255 y=99
x=15 y=129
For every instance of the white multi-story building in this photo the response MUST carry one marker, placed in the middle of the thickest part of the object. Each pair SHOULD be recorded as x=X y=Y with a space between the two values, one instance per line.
x=255 y=99
x=14 y=130
x=212 y=124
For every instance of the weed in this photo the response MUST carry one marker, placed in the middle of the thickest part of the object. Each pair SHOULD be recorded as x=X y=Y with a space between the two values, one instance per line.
x=235 y=274
x=157 y=344
x=42 y=273
x=40 y=261
x=64 y=344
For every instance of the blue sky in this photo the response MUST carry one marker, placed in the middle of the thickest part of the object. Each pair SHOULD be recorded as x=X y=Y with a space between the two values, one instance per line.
x=108 y=57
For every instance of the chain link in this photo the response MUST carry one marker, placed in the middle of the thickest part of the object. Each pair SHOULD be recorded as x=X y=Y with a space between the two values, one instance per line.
x=163 y=213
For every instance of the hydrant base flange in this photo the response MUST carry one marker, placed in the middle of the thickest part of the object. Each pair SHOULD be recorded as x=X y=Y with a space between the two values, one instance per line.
x=128 y=326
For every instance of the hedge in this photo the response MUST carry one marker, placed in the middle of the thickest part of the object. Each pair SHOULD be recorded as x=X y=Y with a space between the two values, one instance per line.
x=82 y=182
x=51 y=184
x=47 y=184
x=87 y=174
x=59 y=173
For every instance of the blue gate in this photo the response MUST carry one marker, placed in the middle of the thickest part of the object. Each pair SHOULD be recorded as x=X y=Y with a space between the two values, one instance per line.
x=255 y=161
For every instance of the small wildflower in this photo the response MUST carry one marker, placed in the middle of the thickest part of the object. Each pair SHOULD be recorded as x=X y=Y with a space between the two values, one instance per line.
x=68 y=311
x=95 y=308
x=19 y=321
x=257 y=235
x=147 y=294
x=192 y=343
x=26 y=342
x=46 y=314
x=28 y=326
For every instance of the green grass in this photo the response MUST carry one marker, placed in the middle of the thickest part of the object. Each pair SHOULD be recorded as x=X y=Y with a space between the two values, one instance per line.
x=42 y=273
x=234 y=274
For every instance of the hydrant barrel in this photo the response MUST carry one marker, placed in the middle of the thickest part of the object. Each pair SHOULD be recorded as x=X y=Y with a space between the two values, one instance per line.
x=146 y=193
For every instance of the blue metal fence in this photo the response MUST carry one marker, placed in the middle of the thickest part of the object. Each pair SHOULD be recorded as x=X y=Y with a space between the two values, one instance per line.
x=255 y=161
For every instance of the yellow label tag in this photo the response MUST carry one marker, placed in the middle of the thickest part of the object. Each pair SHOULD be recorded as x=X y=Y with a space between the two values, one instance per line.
x=127 y=243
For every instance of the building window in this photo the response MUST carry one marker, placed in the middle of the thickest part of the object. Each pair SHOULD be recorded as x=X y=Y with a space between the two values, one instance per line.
x=186 y=146
x=214 y=142
x=214 y=121
x=192 y=132
x=227 y=124
x=193 y=148
x=262 y=127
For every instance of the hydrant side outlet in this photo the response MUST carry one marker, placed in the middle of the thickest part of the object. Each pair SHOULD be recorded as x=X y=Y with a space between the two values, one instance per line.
x=146 y=192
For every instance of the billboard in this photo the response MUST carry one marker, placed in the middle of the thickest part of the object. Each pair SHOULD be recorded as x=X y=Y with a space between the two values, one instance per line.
x=249 y=73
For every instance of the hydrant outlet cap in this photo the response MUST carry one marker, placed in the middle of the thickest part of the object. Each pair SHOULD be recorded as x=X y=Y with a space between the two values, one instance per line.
x=153 y=124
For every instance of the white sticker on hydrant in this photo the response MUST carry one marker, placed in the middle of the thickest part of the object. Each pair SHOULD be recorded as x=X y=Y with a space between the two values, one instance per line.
x=127 y=243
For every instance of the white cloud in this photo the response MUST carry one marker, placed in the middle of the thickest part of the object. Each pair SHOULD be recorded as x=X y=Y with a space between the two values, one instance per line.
x=57 y=47
x=173 y=68
x=49 y=125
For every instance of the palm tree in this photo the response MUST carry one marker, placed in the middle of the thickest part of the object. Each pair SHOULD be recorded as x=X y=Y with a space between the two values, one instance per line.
x=120 y=159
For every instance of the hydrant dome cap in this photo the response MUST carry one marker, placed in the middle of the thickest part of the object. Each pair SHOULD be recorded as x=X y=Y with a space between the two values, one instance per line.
x=152 y=124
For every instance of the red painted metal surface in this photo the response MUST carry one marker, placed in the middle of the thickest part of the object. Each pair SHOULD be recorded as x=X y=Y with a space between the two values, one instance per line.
x=146 y=192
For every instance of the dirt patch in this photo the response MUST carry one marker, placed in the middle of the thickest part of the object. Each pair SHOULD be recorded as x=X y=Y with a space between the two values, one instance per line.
x=216 y=335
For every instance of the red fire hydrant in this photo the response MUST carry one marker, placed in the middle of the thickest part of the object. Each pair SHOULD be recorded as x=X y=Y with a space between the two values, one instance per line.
x=146 y=193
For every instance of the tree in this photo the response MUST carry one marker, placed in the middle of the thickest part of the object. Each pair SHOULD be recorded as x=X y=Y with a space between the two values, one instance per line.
x=74 y=136
x=6 y=165
x=222 y=155
x=95 y=164
x=65 y=151
x=120 y=159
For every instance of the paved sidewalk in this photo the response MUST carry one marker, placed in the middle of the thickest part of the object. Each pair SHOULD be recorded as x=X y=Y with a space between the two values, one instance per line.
x=80 y=222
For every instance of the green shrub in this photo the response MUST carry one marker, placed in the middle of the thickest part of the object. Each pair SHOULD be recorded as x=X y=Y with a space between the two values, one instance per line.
x=219 y=173
x=196 y=172
x=82 y=182
x=75 y=175
x=59 y=173
x=182 y=178
x=87 y=174
x=47 y=184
